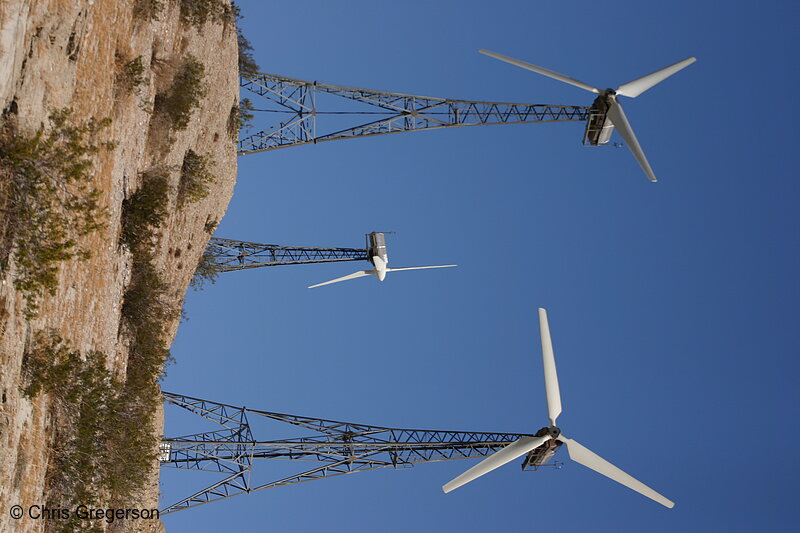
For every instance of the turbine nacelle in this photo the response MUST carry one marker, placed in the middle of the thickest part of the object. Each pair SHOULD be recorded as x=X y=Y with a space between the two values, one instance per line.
x=540 y=447
x=606 y=112
x=380 y=266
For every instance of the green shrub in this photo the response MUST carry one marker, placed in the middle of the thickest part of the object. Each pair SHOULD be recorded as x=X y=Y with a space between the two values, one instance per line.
x=147 y=9
x=198 y=12
x=240 y=117
x=183 y=96
x=247 y=63
x=146 y=306
x=147 y=310
x=130 y=75
x=144 y=300
x=206 y=271
x=145 y=210
x=48 y=365
x=196 y=177
x=48 y=198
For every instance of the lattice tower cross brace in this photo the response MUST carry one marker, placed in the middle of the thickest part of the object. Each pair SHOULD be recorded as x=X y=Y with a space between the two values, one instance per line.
x=337 y=447
x=225 y=255
x=392 y=112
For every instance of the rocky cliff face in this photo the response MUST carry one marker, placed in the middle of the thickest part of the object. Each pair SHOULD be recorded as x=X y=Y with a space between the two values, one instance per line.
x=57 y=54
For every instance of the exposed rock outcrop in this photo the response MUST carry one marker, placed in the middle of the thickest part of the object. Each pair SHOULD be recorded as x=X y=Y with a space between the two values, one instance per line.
x=56 y=54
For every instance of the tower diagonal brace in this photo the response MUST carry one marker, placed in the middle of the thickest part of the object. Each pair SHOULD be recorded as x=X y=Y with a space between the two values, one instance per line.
x=337 y=447
x=399 y=112
x=227 y=255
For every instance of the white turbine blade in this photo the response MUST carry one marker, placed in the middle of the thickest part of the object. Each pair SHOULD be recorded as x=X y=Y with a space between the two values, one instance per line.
x=354 y=275
x=541 y=70
x=516 y=449
x=550 y=375
x=617 y=116
x=418 y=268
x=638 y=86
x=586 y=457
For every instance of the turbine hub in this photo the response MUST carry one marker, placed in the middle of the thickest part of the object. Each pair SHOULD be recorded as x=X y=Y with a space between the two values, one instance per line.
x=553 y=431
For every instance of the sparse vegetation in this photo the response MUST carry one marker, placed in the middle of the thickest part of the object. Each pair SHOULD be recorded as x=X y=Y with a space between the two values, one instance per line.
x=130 y=75
x=48 y=200
x=147 y=308
x=247 y=63
x=106 y=441
x=145 y=305
x=187 y=89
x=103 y=443
x=198 y=12
x=195 y=177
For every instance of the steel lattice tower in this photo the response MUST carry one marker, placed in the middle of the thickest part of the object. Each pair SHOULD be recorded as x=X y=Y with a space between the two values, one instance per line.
x=226 y=255
x=392 y=112
x=337 y=448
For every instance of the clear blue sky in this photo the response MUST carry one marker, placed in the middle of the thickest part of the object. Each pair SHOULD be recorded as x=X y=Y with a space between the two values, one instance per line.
x=673 y=306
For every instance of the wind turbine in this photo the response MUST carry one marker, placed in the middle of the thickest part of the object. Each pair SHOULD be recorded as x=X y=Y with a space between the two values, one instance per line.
x=376 y=246
x=541 y=447
x=606 y=111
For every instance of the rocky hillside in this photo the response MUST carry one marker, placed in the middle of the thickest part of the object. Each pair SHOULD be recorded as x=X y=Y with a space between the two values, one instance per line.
x=76 y=345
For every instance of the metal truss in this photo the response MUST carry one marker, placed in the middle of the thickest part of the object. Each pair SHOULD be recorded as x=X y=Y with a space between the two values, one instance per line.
x=400 y=112
x=337 y=448
x=227 y=255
